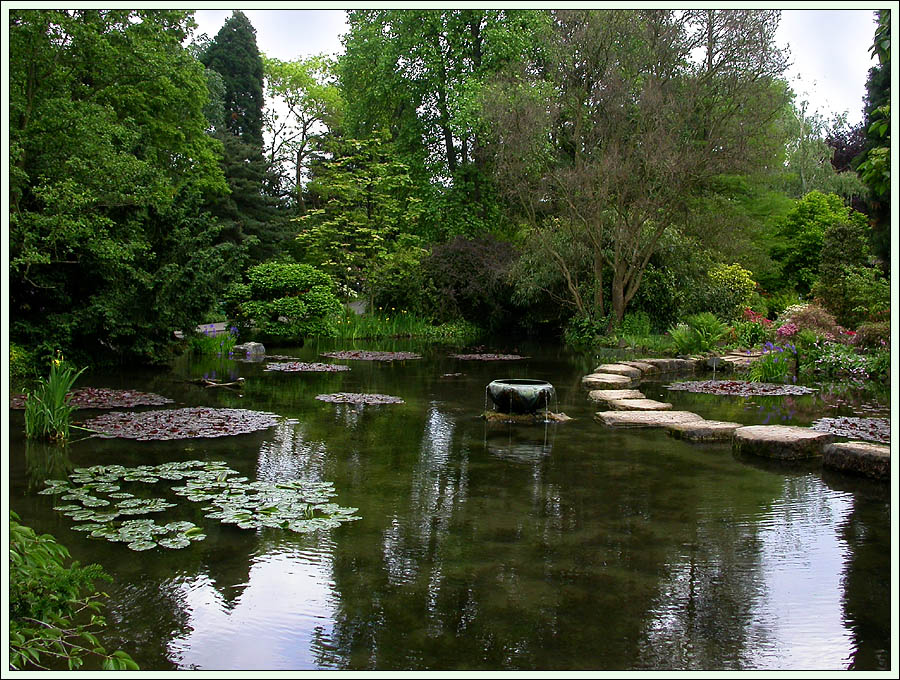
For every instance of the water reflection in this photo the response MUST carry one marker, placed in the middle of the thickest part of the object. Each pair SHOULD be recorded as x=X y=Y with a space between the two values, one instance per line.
x=287 y=601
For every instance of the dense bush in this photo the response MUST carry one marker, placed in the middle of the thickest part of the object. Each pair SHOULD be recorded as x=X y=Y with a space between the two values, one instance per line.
x=284 y=302
x=731 y=290
x=700 y=333
x=20 y=362
x=53 y=608
x=470 y=280
x=873 y=335
x=397 y=279
x=815 y=318
x=750 y=333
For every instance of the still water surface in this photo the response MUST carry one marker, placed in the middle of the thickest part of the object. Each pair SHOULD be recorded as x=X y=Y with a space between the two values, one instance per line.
x=565 y=546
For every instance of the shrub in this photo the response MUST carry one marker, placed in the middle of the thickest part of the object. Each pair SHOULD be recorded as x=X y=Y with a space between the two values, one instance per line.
x=778 y=302
x=731 y=291
x=285 y=301
x=45 y=601
x=20 y=361
x=775 y=365
x=582 y=331
x=220 y=344
x=750 y=333
x=47 y=409
x=878 y=364
x=815 y=318
x=683 y=338
x=700 y=333
x=854 y=294
x=636 y=324
x=825 y=359
x=873 y=335
x=397 y=279
x=470 y=280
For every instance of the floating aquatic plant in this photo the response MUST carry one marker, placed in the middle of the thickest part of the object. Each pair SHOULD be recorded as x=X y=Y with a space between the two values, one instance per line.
x=487 y=357
x=365 y=355
x=739 y=388
x=299 y=366
x=356 y=398
x=182 y=423
x=297 y=505
x=871 y=429
x=102 y=398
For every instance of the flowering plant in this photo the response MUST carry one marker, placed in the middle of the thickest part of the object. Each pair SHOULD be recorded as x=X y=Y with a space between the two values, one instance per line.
x=775 y=364
x=755 y=317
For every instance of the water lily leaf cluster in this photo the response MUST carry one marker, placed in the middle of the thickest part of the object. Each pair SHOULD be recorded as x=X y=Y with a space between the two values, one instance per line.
x=103 y=398
x=357 y=398
x=739 y=388
x=487 y=357
x=181 y=423
x=365 y=355
x=871 y=429
x=301 y=367
x=94 y=497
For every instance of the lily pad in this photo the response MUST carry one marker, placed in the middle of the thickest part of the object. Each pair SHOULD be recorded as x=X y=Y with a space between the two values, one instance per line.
x=142 y=545
x=356 y=398
x=739 y=388
x=300 y=367
x=183 y=423
x=870 y=429
x=487 y=357
x=102 y=398
x=365 y=355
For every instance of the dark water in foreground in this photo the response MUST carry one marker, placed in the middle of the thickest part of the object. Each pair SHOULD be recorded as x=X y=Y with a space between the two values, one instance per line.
x=565 y=546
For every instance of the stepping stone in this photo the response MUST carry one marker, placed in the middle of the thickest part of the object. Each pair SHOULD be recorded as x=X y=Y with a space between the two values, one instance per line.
x=609 y=395
x=607 y=381
x=865 y=458
x=673 y=365
x=642 y=365
x=644 y=418
x=784 y=442
x=704 y=430
x=639 y=405
x=619 y=369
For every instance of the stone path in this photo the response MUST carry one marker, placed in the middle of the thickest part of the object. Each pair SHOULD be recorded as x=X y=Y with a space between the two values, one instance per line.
x=613 y=385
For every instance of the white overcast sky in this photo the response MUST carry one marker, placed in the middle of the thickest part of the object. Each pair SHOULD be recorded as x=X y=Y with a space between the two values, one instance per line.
x=829 y=47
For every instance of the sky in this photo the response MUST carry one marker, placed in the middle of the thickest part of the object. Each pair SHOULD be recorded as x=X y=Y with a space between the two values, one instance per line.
x=829 y=47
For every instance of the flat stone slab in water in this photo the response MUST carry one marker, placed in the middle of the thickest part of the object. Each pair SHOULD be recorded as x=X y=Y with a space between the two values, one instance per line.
x=704 y=430
x=301 y=367
x=644 y=418
x=672 y=365
x=865 y=458
x=643 y=366
x=607 y=381
x=619 y=369
x=609 y=395
x=639 y=405
x=784 y=442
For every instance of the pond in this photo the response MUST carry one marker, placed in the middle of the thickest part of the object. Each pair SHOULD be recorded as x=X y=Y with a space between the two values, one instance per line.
x=488 y=546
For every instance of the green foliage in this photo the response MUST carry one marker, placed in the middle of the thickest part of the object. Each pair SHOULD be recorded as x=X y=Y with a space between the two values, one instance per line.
x=777 y=302
x=825 y=359
x=874 y=335
x=48 y=603
x=802 y=236
x=848 y=286
x=21 y=362
x=47 y=409
x=636 y=324
x=775 y=365
x=210 y=343
x=683 y=339
x=285 y=302
x=390 y=322
x=812 y=317
x=582 y=331
x=398 y=279
x=367 y=199
x=700 y=333
x=750 y=333
x=733 y=288
x=110 y=246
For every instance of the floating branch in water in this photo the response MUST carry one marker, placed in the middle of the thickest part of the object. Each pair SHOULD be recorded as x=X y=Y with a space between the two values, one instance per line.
x=183 y=423
x=355 y=398
x=300 y=367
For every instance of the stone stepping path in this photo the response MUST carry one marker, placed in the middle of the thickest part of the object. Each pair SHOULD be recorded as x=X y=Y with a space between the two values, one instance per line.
x=865 y=458
x=611 y=395
x=644 y=418
x=613 y=385
x=638 y=405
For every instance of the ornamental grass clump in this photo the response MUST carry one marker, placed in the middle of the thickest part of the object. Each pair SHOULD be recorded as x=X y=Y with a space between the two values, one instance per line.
x=210 y=342
x=48 y=407
x=775 y=364
x=700 y=333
